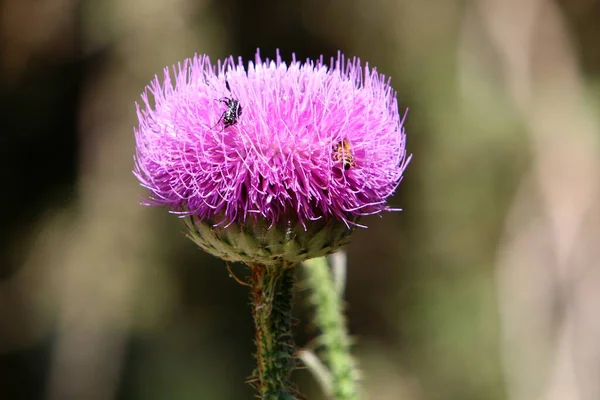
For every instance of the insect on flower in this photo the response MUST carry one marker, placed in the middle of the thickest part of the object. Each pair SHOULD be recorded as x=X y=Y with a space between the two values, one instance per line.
x=342 y=152
x=233 y=112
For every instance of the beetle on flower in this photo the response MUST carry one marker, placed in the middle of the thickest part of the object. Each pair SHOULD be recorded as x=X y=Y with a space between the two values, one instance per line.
x=234 y=109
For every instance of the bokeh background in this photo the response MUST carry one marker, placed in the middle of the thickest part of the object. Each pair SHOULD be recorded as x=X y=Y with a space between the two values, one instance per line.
x=486 y=287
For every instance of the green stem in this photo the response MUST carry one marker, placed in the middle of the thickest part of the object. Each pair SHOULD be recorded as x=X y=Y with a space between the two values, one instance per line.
x=334 y=340
x=272 y=296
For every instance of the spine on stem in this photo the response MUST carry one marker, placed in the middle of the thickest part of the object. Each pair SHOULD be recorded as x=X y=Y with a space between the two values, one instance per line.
x=272 y=297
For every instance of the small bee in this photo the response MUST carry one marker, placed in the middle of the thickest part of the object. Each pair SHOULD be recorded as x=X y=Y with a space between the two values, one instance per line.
x=342 y=152
x=233 y=112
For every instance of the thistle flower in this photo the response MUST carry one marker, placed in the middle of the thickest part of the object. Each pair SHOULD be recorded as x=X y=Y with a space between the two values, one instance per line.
x=273 y=162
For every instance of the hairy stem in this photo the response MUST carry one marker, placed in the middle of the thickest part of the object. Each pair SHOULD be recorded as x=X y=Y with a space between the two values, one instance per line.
x=329 y=319
x=272 y=296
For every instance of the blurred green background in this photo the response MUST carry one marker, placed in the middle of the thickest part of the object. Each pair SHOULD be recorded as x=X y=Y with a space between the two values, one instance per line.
x=486 y=286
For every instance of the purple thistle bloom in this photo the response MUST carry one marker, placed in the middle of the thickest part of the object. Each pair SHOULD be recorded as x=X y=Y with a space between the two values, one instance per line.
x=280 y=155
x=309 y=141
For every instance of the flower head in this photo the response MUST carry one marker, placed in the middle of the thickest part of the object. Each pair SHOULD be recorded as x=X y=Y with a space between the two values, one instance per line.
x=270 y=142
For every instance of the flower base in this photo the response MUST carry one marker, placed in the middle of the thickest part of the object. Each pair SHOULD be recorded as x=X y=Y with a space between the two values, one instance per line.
x=255 y=242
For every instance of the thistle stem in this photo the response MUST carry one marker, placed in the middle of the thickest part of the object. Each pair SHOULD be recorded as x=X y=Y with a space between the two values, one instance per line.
x=329 y=319
x=272 y=296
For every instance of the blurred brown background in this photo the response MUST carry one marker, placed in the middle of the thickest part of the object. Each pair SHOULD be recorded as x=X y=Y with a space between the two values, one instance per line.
x=487 y=286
